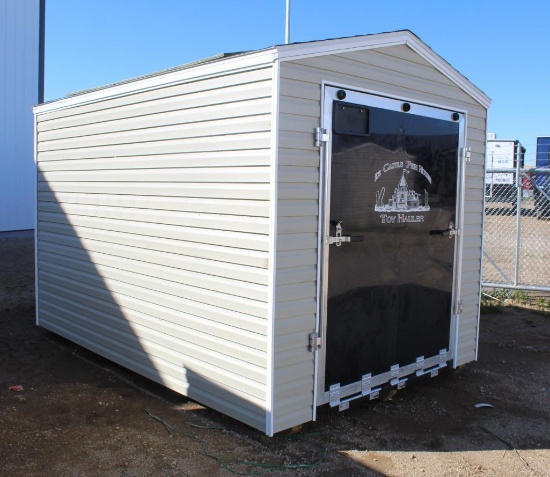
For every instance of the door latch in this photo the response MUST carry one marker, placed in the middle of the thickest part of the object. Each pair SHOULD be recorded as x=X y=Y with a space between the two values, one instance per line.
x=339 y=238
x=449 y=233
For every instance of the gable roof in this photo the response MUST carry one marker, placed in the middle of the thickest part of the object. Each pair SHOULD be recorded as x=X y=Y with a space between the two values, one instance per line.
x=380 y=40
x=289 y=52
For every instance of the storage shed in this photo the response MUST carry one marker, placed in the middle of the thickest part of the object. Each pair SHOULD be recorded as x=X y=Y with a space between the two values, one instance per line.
x=272 y=231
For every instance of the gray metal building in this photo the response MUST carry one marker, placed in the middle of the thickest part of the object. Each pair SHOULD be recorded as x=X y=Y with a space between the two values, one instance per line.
x=21 y=88
x=271 y=231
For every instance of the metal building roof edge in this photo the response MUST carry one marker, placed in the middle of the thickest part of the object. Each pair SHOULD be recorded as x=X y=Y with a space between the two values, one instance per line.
x=292 y=51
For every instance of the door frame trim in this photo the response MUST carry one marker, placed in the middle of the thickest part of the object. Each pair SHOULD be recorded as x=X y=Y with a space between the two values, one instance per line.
x=355 y=94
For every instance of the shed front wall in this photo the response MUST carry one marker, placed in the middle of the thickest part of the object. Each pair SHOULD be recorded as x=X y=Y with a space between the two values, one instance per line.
x=396 y=71
x=154 y=230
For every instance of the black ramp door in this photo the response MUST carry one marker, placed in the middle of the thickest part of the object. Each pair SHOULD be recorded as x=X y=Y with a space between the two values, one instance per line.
x=393 y=182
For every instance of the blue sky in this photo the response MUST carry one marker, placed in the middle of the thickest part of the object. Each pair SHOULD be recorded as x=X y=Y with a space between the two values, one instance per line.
x=501 y=46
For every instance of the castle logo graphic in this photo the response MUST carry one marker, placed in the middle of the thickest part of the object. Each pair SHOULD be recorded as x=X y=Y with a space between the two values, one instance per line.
x=403 y=198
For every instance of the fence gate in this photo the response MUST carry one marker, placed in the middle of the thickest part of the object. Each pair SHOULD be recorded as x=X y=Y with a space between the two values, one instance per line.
x=517 y=229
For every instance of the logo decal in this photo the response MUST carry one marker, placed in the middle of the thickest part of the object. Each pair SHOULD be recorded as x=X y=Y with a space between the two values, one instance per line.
x=403 y=199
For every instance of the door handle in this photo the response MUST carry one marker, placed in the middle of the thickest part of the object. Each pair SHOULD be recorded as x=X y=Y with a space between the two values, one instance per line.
x=338 y=239
x=449 y=233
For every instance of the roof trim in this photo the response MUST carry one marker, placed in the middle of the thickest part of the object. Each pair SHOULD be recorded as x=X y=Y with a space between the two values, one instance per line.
x=329 y=47
x=223 y=64
x=215 y=67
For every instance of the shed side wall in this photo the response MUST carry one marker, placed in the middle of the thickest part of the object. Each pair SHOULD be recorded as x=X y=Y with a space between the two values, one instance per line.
x=396 y=71
x=153 y=234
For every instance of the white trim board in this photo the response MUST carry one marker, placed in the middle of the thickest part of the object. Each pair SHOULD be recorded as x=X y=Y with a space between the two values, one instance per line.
x=268 y=56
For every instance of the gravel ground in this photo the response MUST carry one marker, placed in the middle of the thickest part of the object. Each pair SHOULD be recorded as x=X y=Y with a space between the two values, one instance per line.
x=77 y=414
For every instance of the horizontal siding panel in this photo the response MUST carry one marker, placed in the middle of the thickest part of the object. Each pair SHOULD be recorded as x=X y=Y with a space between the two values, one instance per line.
x=295 y=157
x=297 y=208
x=291 y=309
x=161 y=133
x=195 y=175
x=471 y=265
x=293 y=409
x=147 y=275
x=224 y=324
x=470 y=277
x=288 y=276
x=109 y=254
x=296 y=258
x=165 y=360
x=296 y=140
x=287 y=191
x=289 y=357
x=473 y=218
x=235 y=223
x=473 y=206
x=294 y=225
x=355 y=65
x=220 y=82
x=298 y=174
x=138 y=336
x=293 y=348
x=295 y=88
x=298 y=123
x=299 y=106
x=300 y=324
x=233 y=142
x=286 y=420
x=81 y=226
x=296 y=291
x=208 y=191
x=473 y=254
x=104 y=111
x=379 y=59
x=201 y=114
x=311 y=72
x=302 y=241
x=249 y=208
x=246 y=408
x=125 y=320
x=239 y=158
x=151 y=290
x=298 y=373
x=109 y=242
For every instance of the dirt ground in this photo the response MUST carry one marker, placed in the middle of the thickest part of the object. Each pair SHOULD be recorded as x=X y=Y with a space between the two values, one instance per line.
x=80 y=415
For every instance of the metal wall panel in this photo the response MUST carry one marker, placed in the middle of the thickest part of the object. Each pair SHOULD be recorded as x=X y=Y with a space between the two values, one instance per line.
x=153 y=233
x=395 y=70
x=21 y=83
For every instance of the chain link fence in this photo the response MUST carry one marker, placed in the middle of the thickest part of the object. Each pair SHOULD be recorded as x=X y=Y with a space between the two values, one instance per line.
x=517 y=229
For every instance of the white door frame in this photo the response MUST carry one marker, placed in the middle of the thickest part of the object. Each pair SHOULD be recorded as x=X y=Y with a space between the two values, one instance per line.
x=370 y=385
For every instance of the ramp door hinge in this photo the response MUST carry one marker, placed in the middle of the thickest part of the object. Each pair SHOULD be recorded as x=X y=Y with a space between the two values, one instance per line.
x=315 y=342
x=466 y=153
x=459 y=307
x=321 y=136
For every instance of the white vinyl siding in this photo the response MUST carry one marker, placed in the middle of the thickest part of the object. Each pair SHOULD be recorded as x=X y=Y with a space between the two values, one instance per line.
x=153 y=234
x=397 y=71
x=157 y=219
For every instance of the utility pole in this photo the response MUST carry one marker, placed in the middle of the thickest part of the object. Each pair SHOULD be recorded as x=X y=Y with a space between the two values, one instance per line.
x=287 y=30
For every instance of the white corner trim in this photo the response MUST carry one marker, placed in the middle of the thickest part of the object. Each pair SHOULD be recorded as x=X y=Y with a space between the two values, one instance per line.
x=35 y=194
x=272 y=280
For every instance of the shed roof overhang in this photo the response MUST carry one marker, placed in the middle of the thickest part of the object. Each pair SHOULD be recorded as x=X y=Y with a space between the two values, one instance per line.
x=296 y=51
x=234 y=62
